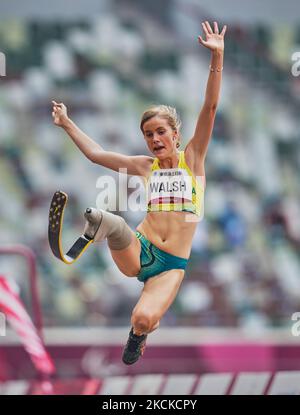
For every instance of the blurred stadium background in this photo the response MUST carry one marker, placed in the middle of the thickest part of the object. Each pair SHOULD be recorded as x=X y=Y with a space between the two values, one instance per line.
x=108 y=61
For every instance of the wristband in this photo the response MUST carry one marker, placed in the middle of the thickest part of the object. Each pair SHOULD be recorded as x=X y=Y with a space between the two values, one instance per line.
x=215 y=69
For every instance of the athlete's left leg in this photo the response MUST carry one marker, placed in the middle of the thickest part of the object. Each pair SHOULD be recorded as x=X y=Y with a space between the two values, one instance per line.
x=158 y=294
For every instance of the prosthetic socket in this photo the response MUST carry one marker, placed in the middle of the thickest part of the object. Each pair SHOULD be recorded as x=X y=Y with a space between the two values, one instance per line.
x=102 y=224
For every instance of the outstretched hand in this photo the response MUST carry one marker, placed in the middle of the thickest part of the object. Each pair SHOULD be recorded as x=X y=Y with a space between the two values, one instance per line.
x=59 y=113
x=214 y=40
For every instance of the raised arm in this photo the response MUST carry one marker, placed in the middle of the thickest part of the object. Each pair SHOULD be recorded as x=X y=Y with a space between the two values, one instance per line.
x=197 y=146
x=135 y=165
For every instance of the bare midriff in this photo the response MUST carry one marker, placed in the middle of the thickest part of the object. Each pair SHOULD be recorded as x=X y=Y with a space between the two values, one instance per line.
x=170 y=231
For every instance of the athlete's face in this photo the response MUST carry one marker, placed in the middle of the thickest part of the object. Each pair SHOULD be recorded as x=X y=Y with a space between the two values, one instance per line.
x=160 y=137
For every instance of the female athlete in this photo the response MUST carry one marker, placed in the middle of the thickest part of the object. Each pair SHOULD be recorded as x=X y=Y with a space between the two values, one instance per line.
x=157 y=252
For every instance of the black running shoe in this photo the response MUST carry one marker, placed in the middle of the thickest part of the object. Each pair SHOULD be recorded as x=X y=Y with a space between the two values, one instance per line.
x=134 y=348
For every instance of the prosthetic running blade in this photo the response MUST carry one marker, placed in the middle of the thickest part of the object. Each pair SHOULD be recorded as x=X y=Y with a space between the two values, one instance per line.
x=56 y=214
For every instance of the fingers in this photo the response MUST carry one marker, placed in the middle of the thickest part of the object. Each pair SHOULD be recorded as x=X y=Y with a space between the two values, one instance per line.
x=56 y=104
x=203 y=42
x=208 y=30
x=59 y=105
x=216 y=28
x=208 y=27
x=223 y=31
x=205 y=29
x=59 y=112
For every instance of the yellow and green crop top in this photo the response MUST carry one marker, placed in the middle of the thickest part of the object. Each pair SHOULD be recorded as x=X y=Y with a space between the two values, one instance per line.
x=174 y=189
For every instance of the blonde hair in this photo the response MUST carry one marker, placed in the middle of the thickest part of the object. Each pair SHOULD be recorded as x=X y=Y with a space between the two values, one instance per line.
x=164 y=111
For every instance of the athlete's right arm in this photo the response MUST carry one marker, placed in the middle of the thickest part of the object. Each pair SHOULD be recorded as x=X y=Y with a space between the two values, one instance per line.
x=135 y=165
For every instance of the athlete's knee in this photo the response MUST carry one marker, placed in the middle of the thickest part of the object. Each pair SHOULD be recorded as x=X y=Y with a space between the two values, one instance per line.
x=143 y=320
x=141 y=323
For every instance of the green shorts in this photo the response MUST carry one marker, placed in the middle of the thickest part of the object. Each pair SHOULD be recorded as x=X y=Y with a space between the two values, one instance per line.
x=154 y=260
